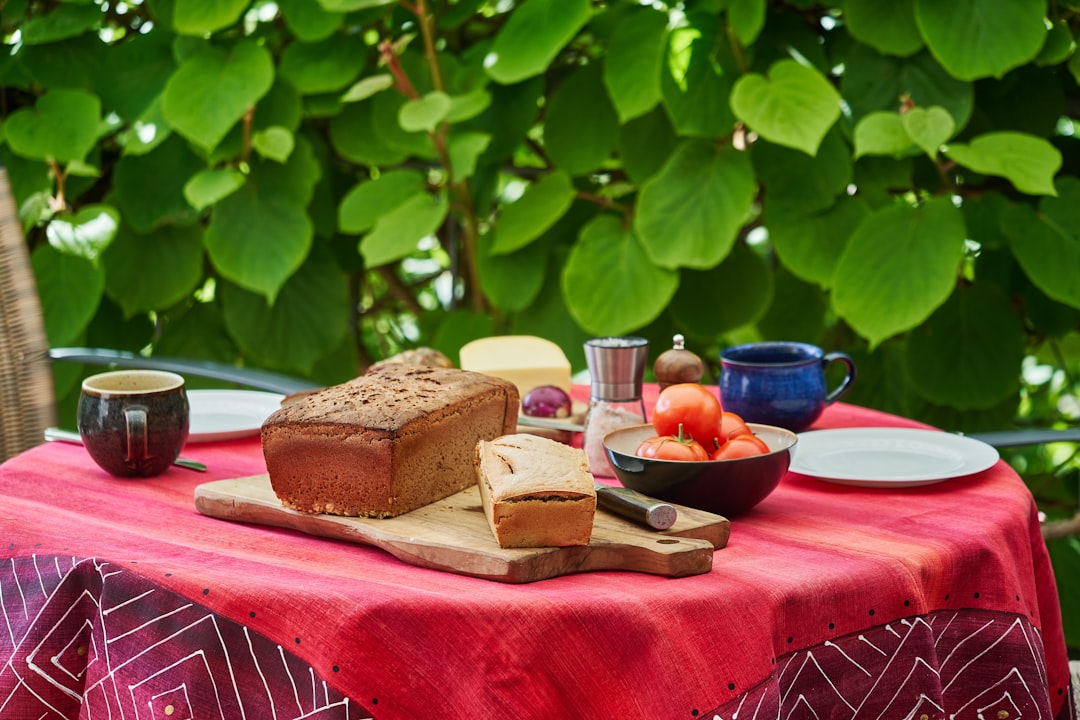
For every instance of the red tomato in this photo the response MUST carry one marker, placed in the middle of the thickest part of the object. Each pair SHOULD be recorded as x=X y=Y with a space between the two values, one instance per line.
x=690 y=405
x=671 y=447
x=740 y=446
x=731 y=425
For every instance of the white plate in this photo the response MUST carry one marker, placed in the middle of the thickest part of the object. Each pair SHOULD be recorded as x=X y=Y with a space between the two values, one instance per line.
x=227 y=414
x=889 y=457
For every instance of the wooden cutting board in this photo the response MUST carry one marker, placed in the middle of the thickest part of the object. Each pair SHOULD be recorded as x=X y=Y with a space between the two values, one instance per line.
x=453 y=535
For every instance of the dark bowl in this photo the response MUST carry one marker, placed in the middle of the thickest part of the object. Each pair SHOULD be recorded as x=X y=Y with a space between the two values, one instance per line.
x=724 y=487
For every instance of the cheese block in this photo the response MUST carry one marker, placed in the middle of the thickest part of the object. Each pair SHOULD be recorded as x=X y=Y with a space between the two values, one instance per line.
x=536 y=492
x=525 y=360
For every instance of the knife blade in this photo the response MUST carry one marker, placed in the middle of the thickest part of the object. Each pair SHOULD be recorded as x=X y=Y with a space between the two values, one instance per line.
x=549 y=424
x=632 y=505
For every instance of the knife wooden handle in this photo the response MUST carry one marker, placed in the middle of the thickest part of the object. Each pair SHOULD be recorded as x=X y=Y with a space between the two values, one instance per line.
x=634 y=506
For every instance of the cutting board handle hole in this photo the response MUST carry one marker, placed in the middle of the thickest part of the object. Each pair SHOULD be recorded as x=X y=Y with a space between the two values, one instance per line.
x=667 y=541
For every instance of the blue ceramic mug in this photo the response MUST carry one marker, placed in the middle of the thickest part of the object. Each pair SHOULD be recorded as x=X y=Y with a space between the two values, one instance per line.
x=780 y=383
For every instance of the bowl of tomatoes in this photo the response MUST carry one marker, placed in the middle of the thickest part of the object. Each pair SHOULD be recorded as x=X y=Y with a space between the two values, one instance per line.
x=695 y=454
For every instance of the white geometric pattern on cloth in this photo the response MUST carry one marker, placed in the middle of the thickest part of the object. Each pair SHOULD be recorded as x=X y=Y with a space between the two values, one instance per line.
x=90 y=640
x=955 y=664
x=77 y=648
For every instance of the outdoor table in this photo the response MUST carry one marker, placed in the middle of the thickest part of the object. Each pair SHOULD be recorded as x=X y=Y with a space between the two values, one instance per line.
x=120 y=600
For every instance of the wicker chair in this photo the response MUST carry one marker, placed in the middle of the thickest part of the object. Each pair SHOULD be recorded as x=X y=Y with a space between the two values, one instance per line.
x=27 y=398
x=27 y=405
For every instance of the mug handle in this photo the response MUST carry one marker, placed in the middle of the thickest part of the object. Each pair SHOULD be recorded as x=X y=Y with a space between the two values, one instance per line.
x=138 y=446
x=845 y=384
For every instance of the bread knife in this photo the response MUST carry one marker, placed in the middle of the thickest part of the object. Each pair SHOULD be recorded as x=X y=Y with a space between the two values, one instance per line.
x=632 y=505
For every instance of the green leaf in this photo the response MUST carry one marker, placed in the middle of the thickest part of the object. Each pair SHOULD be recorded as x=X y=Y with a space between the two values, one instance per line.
x=65 y=21
x=1059 y=45
x=747 y=18
x=211 y=91
x=795 y=179
x=1065 y=554
x=397 y=232
x=889 y=27
x=899 y=266
x=147 y=132
x=259 y=235
x=581 y=126
x=206 y=16
x=872 y=81
x=510 y=116
x=459 y=327
x=512 y=281
x=155 y=271
x=273 y=143
x=548 y=317
x=323 y=66
x=350 y=5
x=967 y=353
x=353 y=136
x=1047 y=244
x=798 y=311
x=930 y=127
x=634 y=60
x=982 y=38
x=795 y=106
x=982 y=215
x=281 y=106
x=530 y=216
x=85 y=233
x=366 y=201
x=71 y=288
x=62 y=126
x=1028 y=162
x=424 y=113
x=386 y=119
x=690 y=213
x=532 y=36
x=74 y=63
x=137 y=70
x=308 y=21
x=367 y=87
x=469 y=105
x=610 y=286
x=308 y=319
x=696 y=81
x=207 y=187
x=645 y=144
x=149 y=189
x=882 y=133
x=465 y=148
x=747 y=286
x=810 y=245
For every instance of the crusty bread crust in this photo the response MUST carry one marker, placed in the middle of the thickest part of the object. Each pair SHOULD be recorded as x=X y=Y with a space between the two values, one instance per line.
x=387 y=442
x=536 y=492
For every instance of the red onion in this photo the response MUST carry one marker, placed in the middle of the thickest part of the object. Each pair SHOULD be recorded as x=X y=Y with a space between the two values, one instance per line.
x=546 y=401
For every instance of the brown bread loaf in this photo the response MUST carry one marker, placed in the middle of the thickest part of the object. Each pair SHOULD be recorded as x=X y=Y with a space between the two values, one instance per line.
x=387 y=442
x=536 y=492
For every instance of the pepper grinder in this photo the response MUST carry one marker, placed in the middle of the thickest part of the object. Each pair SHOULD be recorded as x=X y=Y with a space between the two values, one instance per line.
x=617 y=368
x=678 y=365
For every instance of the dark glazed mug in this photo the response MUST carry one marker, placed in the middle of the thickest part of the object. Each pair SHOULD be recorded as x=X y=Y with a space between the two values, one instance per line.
x=780 y=383
x=134 y=423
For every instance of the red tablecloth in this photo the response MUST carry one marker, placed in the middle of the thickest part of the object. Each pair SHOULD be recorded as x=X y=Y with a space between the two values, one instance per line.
x=829 y=601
